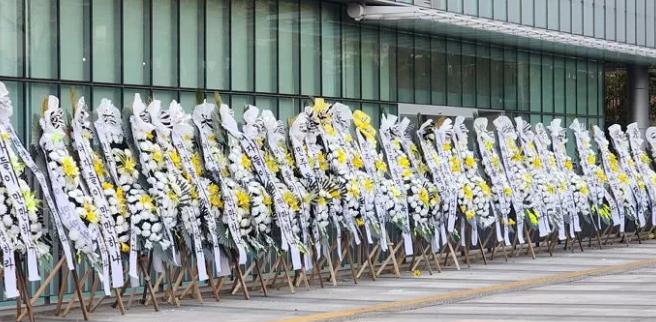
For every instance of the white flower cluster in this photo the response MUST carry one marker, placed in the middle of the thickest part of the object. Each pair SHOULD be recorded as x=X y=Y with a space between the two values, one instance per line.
x=143 y=214
x=523 y=181
x=422 y=206
x=474 y=194
x=390 y=198
x=581 y=194
x=501 y=189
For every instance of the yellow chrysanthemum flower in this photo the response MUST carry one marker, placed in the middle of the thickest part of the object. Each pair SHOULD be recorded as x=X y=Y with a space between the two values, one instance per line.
x=489 y=145
x=645 y=159
x=517 y=156
x=357 y=162
x=537 y=163
x=150 y=135
x=69 y=167
x=423 y=196
x=289 y=159
x=158 y=156
x=106 y=186
x=348 y=138
x=507 y=191
x=321 y=201
x=243 y=199
x=90 y=213
x=404 y=162
x=271 y=163
x=623 y=178
x=550 y=188
x=267 y=201
x=455 y=164
x=359 y=222
x=323 y=164
x=470 y=162
x=469 y=215
x=381 y=166
x=291 y=200
x=341 y=156
x=146 y=201
x=125 y=248
x=569 y=165
x=31 y=203
x=406 y=173
x=466 y=190
x=591 y=159
x=584 y=190
x=246 y=162
x=175 y=158
x=195 y=162
x=485 y=188
x=5 y=136
x=215 y=196
x=368 y=184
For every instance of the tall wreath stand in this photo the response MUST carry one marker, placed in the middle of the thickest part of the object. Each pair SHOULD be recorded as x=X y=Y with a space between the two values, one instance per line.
x=450 y=253
x=424 y=251
x=497 y=244
x=79 y=284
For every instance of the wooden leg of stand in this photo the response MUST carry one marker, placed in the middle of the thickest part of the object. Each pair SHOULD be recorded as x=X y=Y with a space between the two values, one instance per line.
x=424 y=257
x=368 y=262
x=529 y=242
x=481 y=247
x=78 y=289
x=259 y=277
x=62 y=290
x=351 y=265
x=391 y=256
x=317 y=268
x=215 y=292
x=453 y=255
x=22 y=285
x=289 y=280
x=240 y=278
x=92 y=294
x=578 y=237
x=120 y=301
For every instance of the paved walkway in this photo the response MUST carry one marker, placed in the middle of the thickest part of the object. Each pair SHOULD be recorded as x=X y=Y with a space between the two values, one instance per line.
x=613 y=284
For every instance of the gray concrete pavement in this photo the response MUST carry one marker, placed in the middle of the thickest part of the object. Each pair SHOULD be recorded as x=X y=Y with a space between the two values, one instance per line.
x=620 y=295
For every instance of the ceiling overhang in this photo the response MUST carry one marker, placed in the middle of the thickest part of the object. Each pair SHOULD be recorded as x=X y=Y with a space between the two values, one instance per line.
x=449 y=24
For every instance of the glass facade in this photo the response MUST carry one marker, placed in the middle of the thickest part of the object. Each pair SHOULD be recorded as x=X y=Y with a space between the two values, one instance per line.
x=276 y=53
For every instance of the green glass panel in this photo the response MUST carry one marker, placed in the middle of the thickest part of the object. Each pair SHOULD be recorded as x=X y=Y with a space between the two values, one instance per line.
x=523 y=81
x=422 y=72
x=483 y=66
x=288 y=47
x=438 y=71
x=310 y=47
x=370 y=60
x=535 y=82
x=165 y=43
x=331 y=72
x=136 y=33
x=191 y=43
x=106 y=41
x=74 y=40
x=11 y=38
x=266 y=42
x=497 y=78
x=388 y=73
x=405 y=68
x=241 y=45
x=217 y=44
x=350 y=58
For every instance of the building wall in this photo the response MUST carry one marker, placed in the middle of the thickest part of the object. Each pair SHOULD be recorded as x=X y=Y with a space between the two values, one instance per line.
x=276 y=53
x=624 y=21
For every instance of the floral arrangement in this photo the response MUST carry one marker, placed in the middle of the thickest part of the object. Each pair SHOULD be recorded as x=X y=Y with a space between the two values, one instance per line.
x=224 y=193
x=320 y=190
x=397 y=168
x=521 y=182
x=592 y=173
x=576 y=193
x=636 y=179
x=334 y=120
x=501 y=192
x=422 y=197
x=475 y=196
x=545 y=185
x=164 y=190
x=79 y=215
x=115 y=198
x=134 y=201
x=9 y=215
x=256 y=225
